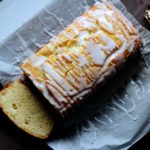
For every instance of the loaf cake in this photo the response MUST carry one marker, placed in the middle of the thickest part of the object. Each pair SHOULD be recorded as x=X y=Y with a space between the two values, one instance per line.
x=26 y=110
x=78 y=59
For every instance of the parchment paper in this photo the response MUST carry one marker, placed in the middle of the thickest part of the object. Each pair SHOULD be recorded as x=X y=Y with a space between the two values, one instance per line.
x=125 y=117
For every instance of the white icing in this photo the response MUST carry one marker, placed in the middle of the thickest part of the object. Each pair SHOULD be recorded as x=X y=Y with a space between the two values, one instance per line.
x=97 y=54
x=74 y=50
x=49 y=33
x=38 y=45
x=107 y=25
x=131 y=46
x=100 y=121
x=82 y=81
x=52 y=83
x=133 y=106
x=89 y=74
x=61 y=81
x=126 y=22
x=134 y=118
x=74 y=77
x=100 y=16
x=76 y=82
x=64 y=65
x=56 y=94
x=67 y=57
x=108 y=118
x=101 y=6
x=110 y=44
x=66 y=34
x=46 y=28
x=75 y=30
x=56 y=18
x=82 y=36
x=119 y=51
x=43 y=89
x=125 y=44
x=81 y=94
x=59 y=50
x=72 y=80
x=59 y=66
x=84 y=22
x=37 y=60
x=82 y=60
x=50 y=47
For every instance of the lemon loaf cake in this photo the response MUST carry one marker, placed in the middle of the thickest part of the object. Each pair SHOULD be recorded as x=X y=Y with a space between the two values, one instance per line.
x=24 y=108
x=82 y=56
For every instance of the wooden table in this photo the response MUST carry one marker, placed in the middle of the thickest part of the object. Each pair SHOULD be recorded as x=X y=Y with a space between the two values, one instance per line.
x=11 y=138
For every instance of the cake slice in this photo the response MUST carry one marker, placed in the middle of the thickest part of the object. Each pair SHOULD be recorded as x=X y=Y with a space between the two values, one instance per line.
x=25 y=109
x=82 y=56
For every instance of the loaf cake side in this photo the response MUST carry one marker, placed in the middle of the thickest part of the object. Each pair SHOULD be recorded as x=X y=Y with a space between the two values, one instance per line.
x=78 y=58
x=25 y=110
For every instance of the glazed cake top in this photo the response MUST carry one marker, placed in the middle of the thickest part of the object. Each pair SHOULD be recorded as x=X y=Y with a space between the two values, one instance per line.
x=79 y=57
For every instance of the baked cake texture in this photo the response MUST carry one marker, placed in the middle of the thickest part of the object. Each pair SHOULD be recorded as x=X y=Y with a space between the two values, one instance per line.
x=80 y=57
x=25 y=109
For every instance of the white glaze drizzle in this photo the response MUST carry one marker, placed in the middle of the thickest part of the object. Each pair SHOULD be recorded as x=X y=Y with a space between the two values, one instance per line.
x=67 y=57
x=100 y=121
x=82 y=94
x=18 y=59
x=52 y=83
x=70 y=11
x=43 y=23
x=62 y=86
x=66 y=34
x=137 y=90
x=133 y=106
x=46 y=29
x=64 y=65
x=119 y=51
x=108 y=118
x=124 y=100
x=97 y=54
x=42 y=87
x=82 y=61
x=101 y=6
x=120 y=99
x=56 y=94
x=72 y=80
x=75 y=30
x=110 y=44
x=56 y=18
x=85 y=22
x=49 y=33
x=37 y=60
x=112 y=108
x=102 y=19
x=100 y=15
x=141 y=85
x=37 y=44
x=82 y=36
x=134 y=118
x=24 y=43
x=49 y=70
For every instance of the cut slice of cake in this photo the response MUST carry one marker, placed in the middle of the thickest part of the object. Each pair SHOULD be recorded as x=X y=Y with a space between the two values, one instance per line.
x=26 y=110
